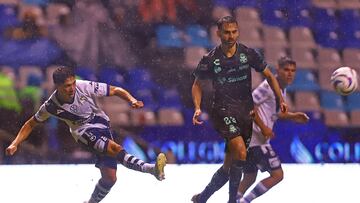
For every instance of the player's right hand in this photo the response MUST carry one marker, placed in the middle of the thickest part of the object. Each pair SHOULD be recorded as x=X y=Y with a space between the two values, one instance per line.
x=283 y=107
x=10 y=150
x=137 y=104
x=196 y=116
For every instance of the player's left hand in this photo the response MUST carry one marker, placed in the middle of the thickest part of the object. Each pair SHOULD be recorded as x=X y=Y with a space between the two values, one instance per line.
x=196 y=116
x=137 y=104
x=283 y=107
x=301 y=117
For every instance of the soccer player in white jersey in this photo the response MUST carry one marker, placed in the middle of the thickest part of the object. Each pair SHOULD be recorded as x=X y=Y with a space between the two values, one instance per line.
x=260 y=155
x=74 y=102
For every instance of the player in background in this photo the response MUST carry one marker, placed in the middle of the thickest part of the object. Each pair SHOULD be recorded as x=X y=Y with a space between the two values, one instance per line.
x=260 y=153
x=261 y=156
x=228 y=66
x=74 y=102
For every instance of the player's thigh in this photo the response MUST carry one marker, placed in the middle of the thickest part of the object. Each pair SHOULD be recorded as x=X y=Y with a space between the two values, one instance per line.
x=237 y=148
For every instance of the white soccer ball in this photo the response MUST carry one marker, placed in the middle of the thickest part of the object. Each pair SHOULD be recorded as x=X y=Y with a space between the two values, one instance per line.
x=344 y=80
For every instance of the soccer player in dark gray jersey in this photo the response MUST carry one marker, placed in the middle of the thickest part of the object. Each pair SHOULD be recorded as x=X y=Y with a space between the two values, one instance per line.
x=228 y=66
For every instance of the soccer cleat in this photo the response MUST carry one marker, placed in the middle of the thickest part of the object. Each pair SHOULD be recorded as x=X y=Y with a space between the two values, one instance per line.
x=159 y=167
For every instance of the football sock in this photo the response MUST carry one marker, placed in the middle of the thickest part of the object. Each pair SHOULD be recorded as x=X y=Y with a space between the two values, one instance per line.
x=100 y=191
x=131 y=162
x=258 y=190
x=217 y=181
x=234 y=179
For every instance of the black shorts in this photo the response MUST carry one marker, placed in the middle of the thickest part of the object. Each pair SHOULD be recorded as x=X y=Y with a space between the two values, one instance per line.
x=261 y=158
x=97 y=140
x=231 y=122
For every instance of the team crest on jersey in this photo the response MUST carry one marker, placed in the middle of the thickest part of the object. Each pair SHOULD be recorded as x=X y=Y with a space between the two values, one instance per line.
x=82 y=98
x=74 y=108
x=217 y=69
x=243 y=58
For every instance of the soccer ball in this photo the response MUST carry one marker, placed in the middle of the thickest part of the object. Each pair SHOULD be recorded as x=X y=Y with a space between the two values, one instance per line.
x=344 y=80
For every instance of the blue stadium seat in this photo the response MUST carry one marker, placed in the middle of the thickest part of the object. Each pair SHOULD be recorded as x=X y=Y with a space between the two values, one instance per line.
x=331 y=100
x=325 y=19
x=170 y=98
x=168 y=36
x=111 y=76
x=8 y=16
x=37 y=2
x=299 y=16
x=305 y=80
x=353 y=101
x=85 y=73
x=273 y=13
x=198 y=36
x=235 y=3
x=329 y=39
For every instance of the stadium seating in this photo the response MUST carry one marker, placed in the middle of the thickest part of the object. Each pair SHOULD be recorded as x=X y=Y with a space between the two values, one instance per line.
x=331 y=100
x=301 y=37
x=197 y=35
x=168 y=36
x=305 y=80
x=306 y=101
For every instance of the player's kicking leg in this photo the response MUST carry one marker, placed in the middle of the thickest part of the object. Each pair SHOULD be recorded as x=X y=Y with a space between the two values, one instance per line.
x=134 y=163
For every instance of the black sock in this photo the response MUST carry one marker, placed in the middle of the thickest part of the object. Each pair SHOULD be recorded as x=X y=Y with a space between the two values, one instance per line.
x=234 y=179
x=100 y=191
x=218 y=180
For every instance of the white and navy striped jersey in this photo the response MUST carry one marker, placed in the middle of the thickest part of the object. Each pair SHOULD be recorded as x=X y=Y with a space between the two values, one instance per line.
x=83 y=113
x=264 y=98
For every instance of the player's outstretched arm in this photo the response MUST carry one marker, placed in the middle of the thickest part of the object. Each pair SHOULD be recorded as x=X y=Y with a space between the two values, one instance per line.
x=298 y=117
x=24 y=132
x=122 y=93
x=196 y=92
x=276 y=88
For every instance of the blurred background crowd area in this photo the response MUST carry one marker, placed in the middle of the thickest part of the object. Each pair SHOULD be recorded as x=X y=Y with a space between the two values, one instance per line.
x=150 y=47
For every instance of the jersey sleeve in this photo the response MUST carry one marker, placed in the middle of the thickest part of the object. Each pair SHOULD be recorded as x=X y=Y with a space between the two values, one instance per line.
x=203 y=70
x=256 y=60
x=97 y=89
x=261 y=93
x=42 y=114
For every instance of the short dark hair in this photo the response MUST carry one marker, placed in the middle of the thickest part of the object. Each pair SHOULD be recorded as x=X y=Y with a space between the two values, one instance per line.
x=225 y=19
x=62 y=73
x=284 y=61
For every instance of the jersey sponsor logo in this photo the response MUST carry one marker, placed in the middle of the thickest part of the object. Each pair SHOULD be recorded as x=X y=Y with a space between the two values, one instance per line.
x=217 y=69
x=243 y=58
x=217 y=62
x=83 y=98
x=236 y=79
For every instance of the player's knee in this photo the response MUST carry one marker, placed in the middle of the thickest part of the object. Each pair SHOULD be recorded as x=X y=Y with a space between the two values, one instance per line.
x=278 y=176
x=108 y=179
